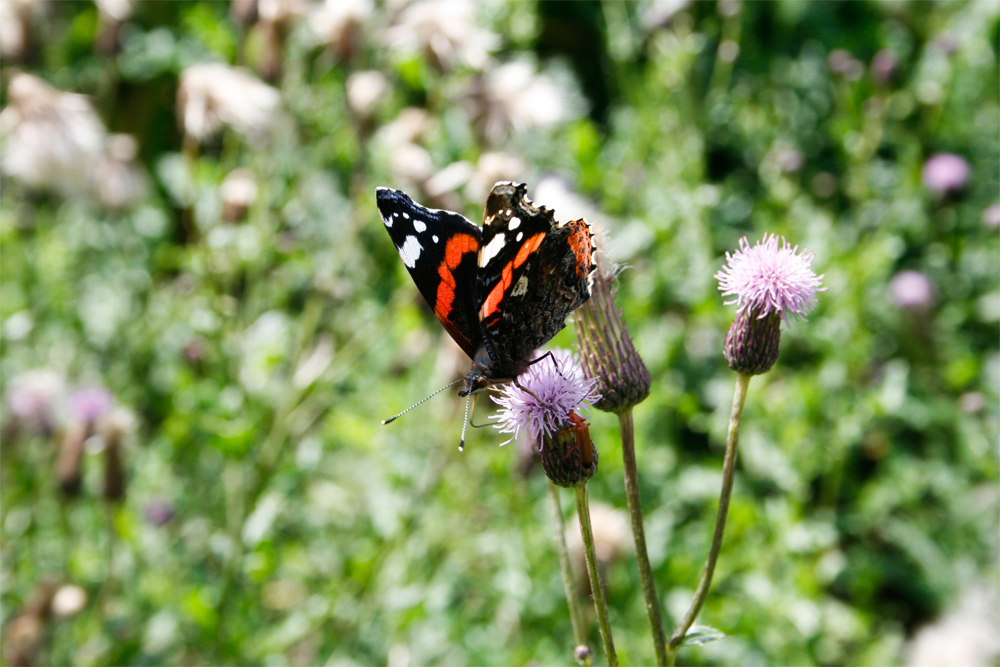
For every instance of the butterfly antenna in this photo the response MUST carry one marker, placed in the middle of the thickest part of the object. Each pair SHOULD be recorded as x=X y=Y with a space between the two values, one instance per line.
x=465 y=422
x=424 y=400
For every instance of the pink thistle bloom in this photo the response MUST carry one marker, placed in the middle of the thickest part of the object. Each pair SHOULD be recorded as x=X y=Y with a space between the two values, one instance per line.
x=770 y=278
x=945 y=172
x=912 y=290
x=550 y=390
x=90 y=403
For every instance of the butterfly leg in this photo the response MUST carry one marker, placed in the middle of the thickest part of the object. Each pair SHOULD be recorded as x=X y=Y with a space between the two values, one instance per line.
x=525 y=389
x=554 y=362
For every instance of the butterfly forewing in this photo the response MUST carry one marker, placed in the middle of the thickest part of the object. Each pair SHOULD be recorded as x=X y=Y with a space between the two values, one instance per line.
x=440 y=250
x=513 y=229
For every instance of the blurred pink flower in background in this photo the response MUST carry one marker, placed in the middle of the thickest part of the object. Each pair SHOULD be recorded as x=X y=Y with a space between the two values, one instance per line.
x=885 y=66
x=911 y=290
x=945 y=172
x=991 y=217
x=89 y=404
x=159 y=511
x=34 y=399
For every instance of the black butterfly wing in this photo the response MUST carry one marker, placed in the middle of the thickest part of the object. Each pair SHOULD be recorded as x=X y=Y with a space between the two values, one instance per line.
x=532 y=274
x=557 y=280
x=440 y=250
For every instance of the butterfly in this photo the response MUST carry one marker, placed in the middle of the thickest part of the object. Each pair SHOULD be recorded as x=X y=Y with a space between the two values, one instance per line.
x=502 y=290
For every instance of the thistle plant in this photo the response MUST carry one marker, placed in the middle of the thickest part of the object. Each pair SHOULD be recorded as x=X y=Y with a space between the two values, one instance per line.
x=770 y=281
x=610 y=358
x=545 y=402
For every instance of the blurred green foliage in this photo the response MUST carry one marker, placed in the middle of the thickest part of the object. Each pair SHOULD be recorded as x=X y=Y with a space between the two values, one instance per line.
x=269 y=519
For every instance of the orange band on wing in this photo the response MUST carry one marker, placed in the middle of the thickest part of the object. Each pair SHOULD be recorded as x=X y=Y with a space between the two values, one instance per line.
x=580 y=243
x=492 y=302
x=454 y=251
x=530 y=246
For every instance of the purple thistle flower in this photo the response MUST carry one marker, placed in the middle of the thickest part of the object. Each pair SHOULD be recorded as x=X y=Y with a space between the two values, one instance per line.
x=160 y=511
x=991 y=217
x=770 y=278
x=33 y=397
x=90 y=403
x=550 y=390
x=945 y=172
x=912 y=290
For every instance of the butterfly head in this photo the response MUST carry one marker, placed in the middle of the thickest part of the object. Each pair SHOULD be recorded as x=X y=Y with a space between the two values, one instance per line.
x=478 y=378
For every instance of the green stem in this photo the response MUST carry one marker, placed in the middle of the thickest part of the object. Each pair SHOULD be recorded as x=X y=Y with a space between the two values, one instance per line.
x=579 y=636
x=639 y=534
x=728 y=473
x=596 y=585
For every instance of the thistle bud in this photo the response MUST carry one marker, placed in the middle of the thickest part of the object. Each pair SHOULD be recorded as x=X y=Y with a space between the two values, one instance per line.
x=751 y=345
x=568 y=456
x=607 y=350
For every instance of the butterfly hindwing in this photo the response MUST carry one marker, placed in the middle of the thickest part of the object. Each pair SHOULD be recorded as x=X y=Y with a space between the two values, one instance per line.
x=532 y=273
x=440 y=250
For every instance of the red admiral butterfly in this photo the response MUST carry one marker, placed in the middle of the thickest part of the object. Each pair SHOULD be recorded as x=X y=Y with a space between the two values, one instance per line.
x=501 y=291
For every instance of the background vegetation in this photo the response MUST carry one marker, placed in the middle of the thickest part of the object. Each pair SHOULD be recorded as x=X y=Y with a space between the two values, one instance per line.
x=253 y=338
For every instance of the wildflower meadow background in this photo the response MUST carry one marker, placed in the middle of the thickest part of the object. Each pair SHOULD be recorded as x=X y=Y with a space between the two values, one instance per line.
x=203 y=323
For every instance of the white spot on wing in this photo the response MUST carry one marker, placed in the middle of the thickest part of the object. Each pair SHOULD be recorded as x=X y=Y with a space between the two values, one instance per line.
x=419 y=226
x=406 y=215
x=410 y=251
x=520 y=235
x=434 y=238
x=521 y=287
x=490 y=250
x=387 y=220
x=515 y=222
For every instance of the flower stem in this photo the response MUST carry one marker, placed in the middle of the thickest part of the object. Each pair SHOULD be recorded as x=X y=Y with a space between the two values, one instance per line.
x=638 y=533
x=596 y=585
x=728 y=472
x=575 y=618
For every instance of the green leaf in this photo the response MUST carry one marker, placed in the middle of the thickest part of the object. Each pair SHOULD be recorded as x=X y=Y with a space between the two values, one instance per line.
x=699 y=635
